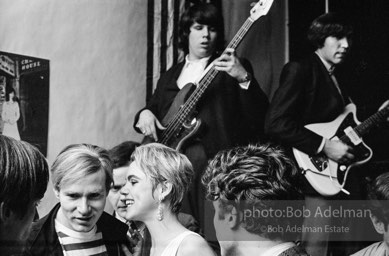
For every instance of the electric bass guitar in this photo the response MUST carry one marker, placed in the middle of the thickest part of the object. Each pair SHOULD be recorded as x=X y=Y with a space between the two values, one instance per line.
x=180 y=121
x=326 y=176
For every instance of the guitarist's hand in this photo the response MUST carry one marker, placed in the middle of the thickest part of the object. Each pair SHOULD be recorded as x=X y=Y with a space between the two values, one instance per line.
x=229 y=62
x=338 y=151
x=147 y=123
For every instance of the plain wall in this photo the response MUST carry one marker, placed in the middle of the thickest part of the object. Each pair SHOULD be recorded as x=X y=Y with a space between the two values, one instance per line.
x=97 y=53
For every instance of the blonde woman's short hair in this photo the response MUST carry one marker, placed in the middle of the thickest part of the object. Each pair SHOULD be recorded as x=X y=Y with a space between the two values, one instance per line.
x=164 y=164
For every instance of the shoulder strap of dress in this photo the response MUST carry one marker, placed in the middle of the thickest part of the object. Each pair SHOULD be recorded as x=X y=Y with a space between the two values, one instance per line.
x=172 y=248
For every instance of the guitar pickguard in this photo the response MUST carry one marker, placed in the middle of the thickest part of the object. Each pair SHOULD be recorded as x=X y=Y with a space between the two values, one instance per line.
x=361 y=151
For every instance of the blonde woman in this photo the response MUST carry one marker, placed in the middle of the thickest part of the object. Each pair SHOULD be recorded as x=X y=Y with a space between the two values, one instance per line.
x=156 y=182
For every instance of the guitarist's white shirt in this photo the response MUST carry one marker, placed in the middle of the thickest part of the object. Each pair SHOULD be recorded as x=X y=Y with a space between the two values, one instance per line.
x=193 y=69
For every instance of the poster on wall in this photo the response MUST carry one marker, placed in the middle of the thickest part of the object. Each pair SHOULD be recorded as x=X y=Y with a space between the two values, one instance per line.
x=24 y=98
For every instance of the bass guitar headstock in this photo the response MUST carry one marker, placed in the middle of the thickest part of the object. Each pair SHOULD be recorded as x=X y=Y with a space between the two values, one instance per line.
x=260 y=9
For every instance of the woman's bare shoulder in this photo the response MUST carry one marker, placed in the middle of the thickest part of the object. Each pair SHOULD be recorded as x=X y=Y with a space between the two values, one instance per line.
x=195 y=245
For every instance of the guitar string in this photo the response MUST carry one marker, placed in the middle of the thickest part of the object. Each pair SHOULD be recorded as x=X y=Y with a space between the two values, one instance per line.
x=378 y=117
x=173 y=125
x=374 y=119
x=180 y=117
x=187 y=108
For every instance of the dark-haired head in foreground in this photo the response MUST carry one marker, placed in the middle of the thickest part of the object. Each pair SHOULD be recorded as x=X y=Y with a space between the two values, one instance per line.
x=24 y=175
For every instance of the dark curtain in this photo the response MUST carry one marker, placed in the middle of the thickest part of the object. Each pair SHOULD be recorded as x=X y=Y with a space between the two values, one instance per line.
x=264 y=44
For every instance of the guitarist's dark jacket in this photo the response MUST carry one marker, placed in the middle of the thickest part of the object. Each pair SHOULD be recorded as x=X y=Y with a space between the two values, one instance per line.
x=306 y=95
x=232 y=115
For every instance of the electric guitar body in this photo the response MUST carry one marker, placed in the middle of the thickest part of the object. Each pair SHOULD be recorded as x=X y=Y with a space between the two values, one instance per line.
x=190 y=125
x=327 y=177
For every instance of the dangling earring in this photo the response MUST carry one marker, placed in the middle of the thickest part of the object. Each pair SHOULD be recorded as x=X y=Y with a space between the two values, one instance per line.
x=160 y=210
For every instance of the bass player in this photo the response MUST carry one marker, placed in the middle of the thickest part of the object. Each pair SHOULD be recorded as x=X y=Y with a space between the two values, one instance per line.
x=232 y=108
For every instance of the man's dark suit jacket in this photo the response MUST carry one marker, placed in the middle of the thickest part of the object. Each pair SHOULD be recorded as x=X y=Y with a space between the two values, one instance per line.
x=232 y=115
x=43 y=239
x=306 y=95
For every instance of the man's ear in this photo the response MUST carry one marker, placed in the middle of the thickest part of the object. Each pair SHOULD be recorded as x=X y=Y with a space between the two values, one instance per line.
x=56 y=193
x=378 y=225
x=232 y=218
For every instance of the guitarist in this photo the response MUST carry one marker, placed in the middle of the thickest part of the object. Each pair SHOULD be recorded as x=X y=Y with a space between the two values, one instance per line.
x=232 y=109
x=310 y=93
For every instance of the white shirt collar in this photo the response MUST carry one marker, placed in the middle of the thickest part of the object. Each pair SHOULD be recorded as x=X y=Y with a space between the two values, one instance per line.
x=192 y=70
x=117 y=216
x=203 y=61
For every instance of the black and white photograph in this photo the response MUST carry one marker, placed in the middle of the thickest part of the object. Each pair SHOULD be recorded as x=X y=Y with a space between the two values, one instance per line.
x=194 y=127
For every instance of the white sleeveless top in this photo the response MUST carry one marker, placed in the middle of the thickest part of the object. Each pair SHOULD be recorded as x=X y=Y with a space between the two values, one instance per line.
x=172 y=248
